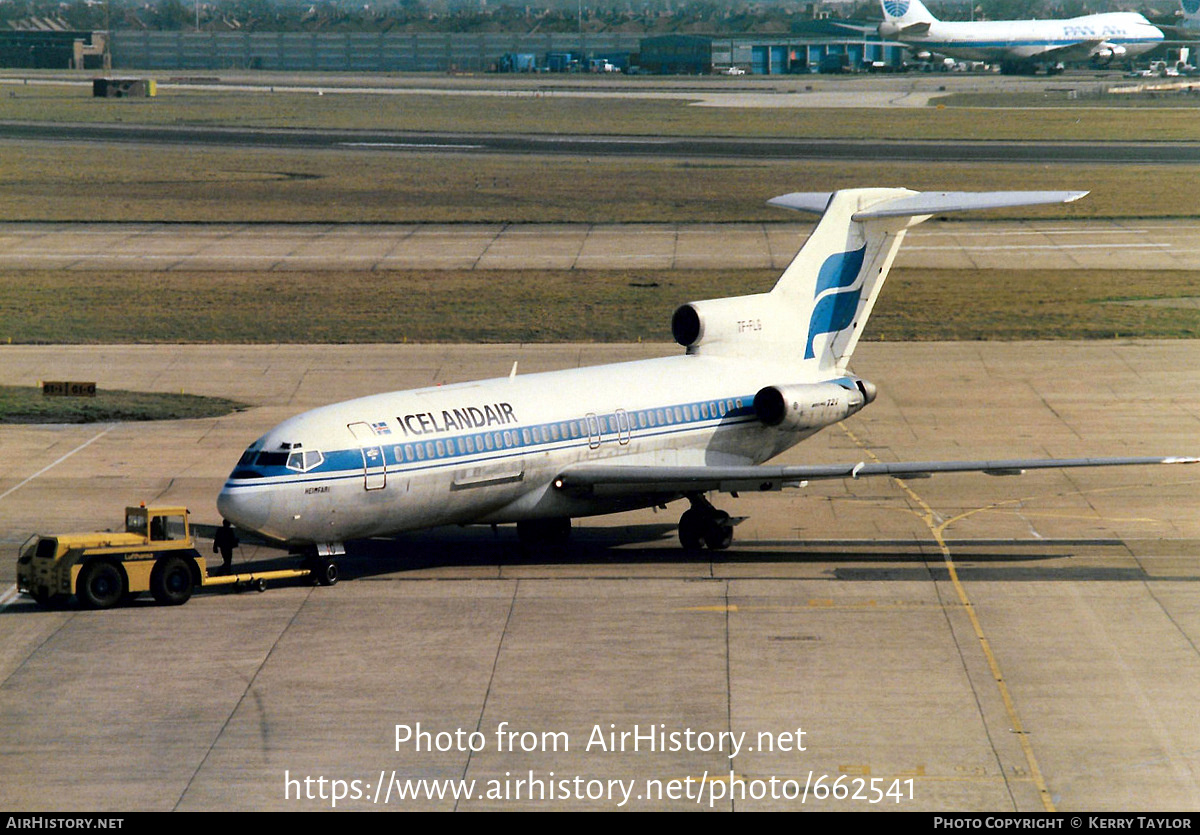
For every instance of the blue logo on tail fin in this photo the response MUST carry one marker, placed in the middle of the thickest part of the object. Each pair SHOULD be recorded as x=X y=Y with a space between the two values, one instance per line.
x=896 y=8
x=839 y=270
x=835 y=311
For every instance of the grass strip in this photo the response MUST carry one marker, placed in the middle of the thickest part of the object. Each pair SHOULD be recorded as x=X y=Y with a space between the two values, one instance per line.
x=1091 y=116
x=23 y=404
x=75 y=307
x=96 y=182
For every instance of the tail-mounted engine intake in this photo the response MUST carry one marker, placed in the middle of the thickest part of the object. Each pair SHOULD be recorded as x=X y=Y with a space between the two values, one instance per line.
x=812 y=405
x=739 y=321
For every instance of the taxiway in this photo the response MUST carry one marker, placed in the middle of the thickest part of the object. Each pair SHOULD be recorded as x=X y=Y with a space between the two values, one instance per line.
x=1002 y=643
x=1050 y=244
x=932 y=151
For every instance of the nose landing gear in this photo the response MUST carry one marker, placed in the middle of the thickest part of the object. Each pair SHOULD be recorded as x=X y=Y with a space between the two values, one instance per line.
x=703 y=525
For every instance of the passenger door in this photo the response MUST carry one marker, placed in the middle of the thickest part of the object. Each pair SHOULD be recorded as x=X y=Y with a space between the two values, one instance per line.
x=374 y=462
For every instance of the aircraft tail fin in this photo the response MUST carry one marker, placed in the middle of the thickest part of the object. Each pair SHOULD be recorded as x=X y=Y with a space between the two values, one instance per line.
x=821 y=303
x=819 y=306
x=906 y=13
x=1191 y=15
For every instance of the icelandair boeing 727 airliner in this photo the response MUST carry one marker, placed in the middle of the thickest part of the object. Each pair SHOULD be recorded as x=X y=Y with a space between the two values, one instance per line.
x=759 y=374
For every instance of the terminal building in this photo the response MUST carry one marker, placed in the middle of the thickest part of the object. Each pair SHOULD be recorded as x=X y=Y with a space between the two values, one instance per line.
x=460 y=52
x=820 y=45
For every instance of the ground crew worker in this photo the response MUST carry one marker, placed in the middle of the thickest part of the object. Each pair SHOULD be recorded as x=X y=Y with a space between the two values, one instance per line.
x=225 y=540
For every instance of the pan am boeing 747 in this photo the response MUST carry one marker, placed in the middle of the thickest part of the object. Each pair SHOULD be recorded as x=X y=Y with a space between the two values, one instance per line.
x=1021 y=45
x=759 y=374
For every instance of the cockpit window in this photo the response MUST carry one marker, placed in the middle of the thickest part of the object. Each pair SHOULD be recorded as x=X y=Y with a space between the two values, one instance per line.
x=248 y=456
x=305 y=461
x=271 y=459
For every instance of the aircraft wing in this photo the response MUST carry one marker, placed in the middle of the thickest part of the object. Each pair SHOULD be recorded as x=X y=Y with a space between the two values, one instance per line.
x=625 y=480
x=1078 y=51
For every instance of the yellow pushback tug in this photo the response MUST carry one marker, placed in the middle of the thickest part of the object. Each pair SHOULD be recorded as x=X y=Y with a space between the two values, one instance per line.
x=155 y=553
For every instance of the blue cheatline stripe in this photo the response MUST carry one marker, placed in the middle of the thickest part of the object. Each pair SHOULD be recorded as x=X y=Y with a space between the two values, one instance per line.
x=514 y=442
x=935 y=46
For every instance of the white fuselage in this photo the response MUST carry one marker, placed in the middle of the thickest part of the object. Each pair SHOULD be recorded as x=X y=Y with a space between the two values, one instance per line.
x=488 y=451
x=1023 y=40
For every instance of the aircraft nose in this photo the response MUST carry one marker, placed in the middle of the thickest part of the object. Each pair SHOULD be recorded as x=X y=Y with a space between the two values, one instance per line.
x=247 y=509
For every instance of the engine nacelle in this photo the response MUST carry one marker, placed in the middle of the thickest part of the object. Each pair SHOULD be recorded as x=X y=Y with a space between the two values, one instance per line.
x=812 y=405
x=889 y=30
x=740 y=321
x=1106 y=53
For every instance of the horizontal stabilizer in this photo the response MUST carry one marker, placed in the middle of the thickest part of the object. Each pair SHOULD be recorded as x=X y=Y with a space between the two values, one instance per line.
x=814 y=202
x=857 y=29
x=929 y=202
x=820 y=305
x=616 y=479
x=936 y=202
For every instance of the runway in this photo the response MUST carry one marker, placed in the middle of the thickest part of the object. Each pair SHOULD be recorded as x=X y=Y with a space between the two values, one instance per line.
x=804 y=91
x=1052 y=244
x=970 y=643
x=1041 y=152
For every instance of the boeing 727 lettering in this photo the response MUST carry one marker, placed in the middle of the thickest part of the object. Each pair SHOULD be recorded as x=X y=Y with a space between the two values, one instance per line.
x=757 y=375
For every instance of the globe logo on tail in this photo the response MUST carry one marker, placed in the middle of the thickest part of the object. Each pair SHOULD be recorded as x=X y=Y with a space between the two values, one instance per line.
x=899 y=8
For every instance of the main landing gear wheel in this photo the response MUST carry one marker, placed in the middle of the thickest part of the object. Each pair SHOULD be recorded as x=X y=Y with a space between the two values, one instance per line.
x=703 y=525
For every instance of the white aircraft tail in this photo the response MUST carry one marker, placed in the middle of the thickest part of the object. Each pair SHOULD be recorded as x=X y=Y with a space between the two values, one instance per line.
x=834 y=280
x=818 y=309
x=832 y=284
x=906 y=12
x=1191 y=15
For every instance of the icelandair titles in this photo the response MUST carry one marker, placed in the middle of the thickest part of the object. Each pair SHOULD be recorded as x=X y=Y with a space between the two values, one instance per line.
x=472 y=417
